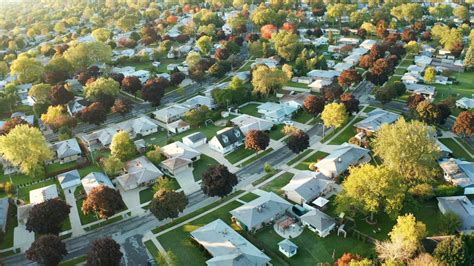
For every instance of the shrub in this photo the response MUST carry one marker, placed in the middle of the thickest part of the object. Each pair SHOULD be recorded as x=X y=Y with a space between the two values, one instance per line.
x=448 y=191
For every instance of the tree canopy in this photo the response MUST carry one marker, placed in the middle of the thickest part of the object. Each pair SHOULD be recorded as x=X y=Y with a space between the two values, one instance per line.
x=218 y=181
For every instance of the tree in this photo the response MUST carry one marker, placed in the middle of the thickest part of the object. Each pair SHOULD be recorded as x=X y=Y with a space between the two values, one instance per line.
x=11 y=124
x=407 y=12
x=48 y=217
x=350 y=102
x=4 y=69
x=104 y=201
x=25 y=147
x=59 y=95
x=464 y=124
x=177 y=77
x=414 y=99
x=451 y=251
x=112 y=165
x=219 y=69
x=313 y=104
x=332 y=92
x=424 y=259
x=449 y=223
x=56 y=117
x=104 y=251
x=427 y=112
x=298 y=141
x=28 y=70
x=218 y=181
x=127 y=22
x=366 y=61
x=414 y=157
x=347 y=258
x=47 y=250
x=197 y=117
x=257 y=140
x=287 y=45
x=131 y=84
x=334 y=115
x=154 y=155
x=409 y=231
x=168 y=204
x=348 y=77
x=370 y=189
x=412 y=48
x=93 y=114
x=154 y=90
x=461 y=12
x=101 y=86
x=40 y=92
x=101 y=34
x=268 y=30
x=430 y=75
x=86 y=54
x=122 y=146
x=122 y=106
x=267 y=80
x=469 y=59
x=204 y=43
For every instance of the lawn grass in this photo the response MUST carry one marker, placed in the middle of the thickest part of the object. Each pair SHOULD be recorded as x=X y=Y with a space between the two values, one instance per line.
x=458 y=151
x=346 y=134
x=179 y=240
x=150 y=246
x=57 y=167
x=89 y=169
x=146 y=195
x=466 y=145
x=24 y=192
x=238 y=155
x=296 y=85
x=254 y=158
x=300 y=156
x=12 y=222
x=311 y=159
x=265 y=177
x=302 y=117
x=276 y=184
x=462 y=89
x=249 y=197
x=276 y=133
x=73 y=262
x=104 y=223
x=250 y=109
x=368 y=109
x=202 y=165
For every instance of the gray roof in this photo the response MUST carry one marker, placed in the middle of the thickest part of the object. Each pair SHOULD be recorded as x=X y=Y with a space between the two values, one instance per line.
x=195 y=137
x=260 y=210
x=318 y=219
x=69 y=179
x=230 y=136
x=461 y=206
x=376 y=119
x=95 y=179
x=67 y=148
x=3 y=213
x=227 y=246
x=460 y=172
x=288 y=246
x=308 y=185
x=341 y=158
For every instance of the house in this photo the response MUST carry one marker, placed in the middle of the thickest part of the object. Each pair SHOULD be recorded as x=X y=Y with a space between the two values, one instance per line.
x=465 y=103
x=179 y=157
x=367 y=44
x=341 y=159
x=69 y=180
x=194 y=140
x=227 y=140
x=227 y=247
x=348 y=41
x=77 y=105
x=178 y=126
x=441 y=80
x=416 y=68
x=318 y=84
x=66 y=151
x=320 y=41
x=247 y=123
x=141 y=126
x=95 y=179
x=306 y=186
x=259 y=212
x=425 y=90
x=460 y=173
x=444 y=150
x=340 y=67
x=423 y=60
x=30 y=119
x=37 y=196
x=318 y=222
x=269 y=62
x=375 y=119
x=288 y=248
x=4 y=205
x=323 y=74
x=198 y=101
x=461 y=206
x=99 y=139
x=294 y=100
x=276 y=112
x=360 y=51
x=411 y=78
x=138 y=172
x=170 y=113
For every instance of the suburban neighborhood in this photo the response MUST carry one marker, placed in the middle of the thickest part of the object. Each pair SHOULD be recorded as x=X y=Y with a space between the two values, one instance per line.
x=204 y=132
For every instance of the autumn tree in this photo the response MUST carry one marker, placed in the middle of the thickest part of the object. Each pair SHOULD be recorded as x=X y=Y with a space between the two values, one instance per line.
x=427 y=112
x=48 y=217
x=464 y=124
x=27 y=70
x=287 y=45
x=348 y=77
x=430 y=75
x=101 y=87
x=218 y=181
x=104 y=201
x=347 y=258
x=415 y=158
x=112 y=165
x=122 y=106
x=40 y=92
x=154 y=90
x=366 y=61
x=131 y=84
x=409 y=232
x=334 y=115
x=25 y=147
x=59 y=95
x=93 y=114
x=414 y=99
x=350 y=102
x=298 y=141
x=313 y=104
x=86 y=54
x=257 y=140
x=47 y=250
x=332 y=92
x=104 y=251
x=122 y=146
x=451 y=251
x=168 y=204
x=268 y=30
x=370 y=189
x=266 y=80
x=11 y=124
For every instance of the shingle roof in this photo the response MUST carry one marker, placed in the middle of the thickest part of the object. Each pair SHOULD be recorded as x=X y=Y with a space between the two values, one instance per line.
x=308 y=185
x=230 y=136
x=376 y=119
x=69 y=179
x=318 y=219
x=195 y=137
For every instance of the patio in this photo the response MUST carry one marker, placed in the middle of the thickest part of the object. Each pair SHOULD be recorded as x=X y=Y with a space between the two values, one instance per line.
x=287 y=227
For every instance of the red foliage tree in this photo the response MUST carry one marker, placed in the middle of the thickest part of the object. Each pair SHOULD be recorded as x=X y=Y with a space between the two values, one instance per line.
x=47 y=250
x=313 y=104
x=59 y=95
x=408 y=35
x=346 y=258
x=288 y=26
x=350 y=102
x=104 y=201
x=104 y=251
x=11 y=124
x=414 y=99
x=377 y=51
x=267 y=30
x=366 y=61
x=172 y=19
x=464 y=124
x=94 y=114
x=298 y=141
x=122 y=106
x=131 y=84
x=154 y=90
x=257 y=140
x=48 y=217
x=218 y=181
x=348 y=77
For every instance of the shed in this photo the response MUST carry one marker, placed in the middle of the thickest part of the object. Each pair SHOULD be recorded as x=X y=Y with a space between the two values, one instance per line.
x=195 y=140
x=288 y=248
x=69 y=179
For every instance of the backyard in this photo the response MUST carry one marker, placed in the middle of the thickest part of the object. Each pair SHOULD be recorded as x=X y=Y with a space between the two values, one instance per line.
x=463 y=89
x=202 y=165
x=346 y=134
x=250 y=109
x=458 y=151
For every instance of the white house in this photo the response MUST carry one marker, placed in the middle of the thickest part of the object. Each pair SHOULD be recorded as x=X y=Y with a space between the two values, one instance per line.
x=99 y=139
x=269 y=62
x=95 y=179
x=348 y=41
x=179 y=157
x=276 y=112
x=375 y=119
x=338 y=161
x=465 y=103
x=142 y=126
x=318 y=222
x=318 y=84
x=411 y=78
x=198 y=101
x=170 y=113
x=460 y=173
x=288 y=248
x=247 y=123
x=227 y=140
x=77 y=105
x=138 y=172
x=323 y=74
x=306 y=186
x=425 y=90
x=194 y=140
x=66 y=151
x=367 y=44
x=340 y=67
x=423 y=60
x=178 y=126
x=294 y=100
x=69 y=179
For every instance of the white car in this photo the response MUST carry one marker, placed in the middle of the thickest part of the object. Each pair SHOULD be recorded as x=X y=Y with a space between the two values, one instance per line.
x=288 y=122
x=156 y=64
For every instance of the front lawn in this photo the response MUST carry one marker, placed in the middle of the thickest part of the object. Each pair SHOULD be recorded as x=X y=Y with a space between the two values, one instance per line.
x=24 y=192
x=458 y=151
x=238 y=155
x=12 y=222
x=250 y=109
x=300 y=156
x=276 y=133
x=311 y=159
x=202 y=165
x=297 y=85
x=150 y=246
x=463 y=89
x=346 y=134
x=249 y=197
x=276 y=184
x=302 y=117
x=56 y=168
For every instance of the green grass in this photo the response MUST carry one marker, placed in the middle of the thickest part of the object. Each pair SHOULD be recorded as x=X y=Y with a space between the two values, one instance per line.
x=180 y=243
x=89 y=169
x=202 y=165
x=250 y=109
x=24 y=192
x=463 y=89
x=265 y=177
x=151 y=248
x=276 y=133
x=466 y=145
x=238 y=155
x=249 y=197
x=400 y=71
x=74 y=261
x=406 y=63
x=104 y=223
x=57 y=167
x=346 y=134
x=276 y=184
x=458 y=151
x=85 y=219
x=300 y=156
x=259 y=155
x=302 y=117
x=369 y=109
x=297 y=85
x=311 y=159
x=12 y=222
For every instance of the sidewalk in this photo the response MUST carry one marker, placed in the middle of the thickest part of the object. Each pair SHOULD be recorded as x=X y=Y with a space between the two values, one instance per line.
x=74 y=218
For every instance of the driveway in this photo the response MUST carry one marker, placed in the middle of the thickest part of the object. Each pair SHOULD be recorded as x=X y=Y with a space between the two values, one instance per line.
x=186 y=181
x=22 y=238
x=76 y=225
x=131 y=198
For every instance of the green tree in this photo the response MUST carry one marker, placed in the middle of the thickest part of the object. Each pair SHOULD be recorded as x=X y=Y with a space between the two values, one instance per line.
x=407 y=12
x=88 y=53
x=451 y=251
x=154 y=154
x=101 y=34
x=287 y=44
x=122 y=146
x=369 y=189
x=112 y=165
x=204 y=44
x=4 y=69
x=412 y=47
x=430 y=75
x=441 y=11
x=408 y=149
x=461 y=12
x=469 y=58
x=334 y=115
x=267 y=80
x=409 y=231
x=127 y=22
x=28 y=70
x=25 y=147
x=102 y=86
x=197 y=117
x=40 y=92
